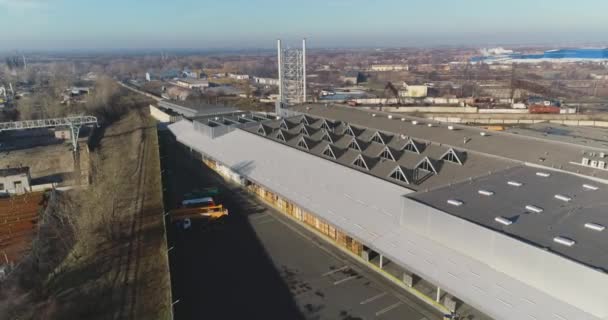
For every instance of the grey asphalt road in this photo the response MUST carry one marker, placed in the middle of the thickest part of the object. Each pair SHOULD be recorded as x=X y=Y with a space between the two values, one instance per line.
x=258 y=264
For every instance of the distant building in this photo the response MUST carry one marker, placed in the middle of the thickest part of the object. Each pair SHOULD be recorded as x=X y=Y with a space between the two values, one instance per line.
x=63 y=134
x=266 y=81
x=91 y=76
x=389 y=67
x=418 y=91
x=78 y=91
x=15 y=180
x=353 y=77
x=238 y=76
x=164 y=75
x=193 y=83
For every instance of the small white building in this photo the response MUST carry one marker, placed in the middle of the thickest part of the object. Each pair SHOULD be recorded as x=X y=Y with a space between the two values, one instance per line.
x=417 y=91
x=238 y=76
x=266 y=81
x=193 y=83
x=389 y=67
x=15 y=180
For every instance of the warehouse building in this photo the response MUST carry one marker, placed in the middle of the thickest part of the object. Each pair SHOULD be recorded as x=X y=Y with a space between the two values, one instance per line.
x=508 y=224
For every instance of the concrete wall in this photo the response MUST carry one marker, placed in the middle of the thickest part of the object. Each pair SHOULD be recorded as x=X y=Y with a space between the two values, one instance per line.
x=159 y=115
x=423 y=109
x=8 y=184
x=503 y=111
x=498 y=120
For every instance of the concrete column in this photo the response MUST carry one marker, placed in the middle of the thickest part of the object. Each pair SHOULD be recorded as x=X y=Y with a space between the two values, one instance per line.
x=365 y=255
x=381 y=262
x=438 y=294
x=408 y=279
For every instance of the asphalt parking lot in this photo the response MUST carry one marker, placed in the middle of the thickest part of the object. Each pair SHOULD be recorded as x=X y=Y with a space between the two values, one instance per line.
x=258 y=264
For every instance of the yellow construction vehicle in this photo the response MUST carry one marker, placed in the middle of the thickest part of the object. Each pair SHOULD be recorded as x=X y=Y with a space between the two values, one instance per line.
x=198 y=205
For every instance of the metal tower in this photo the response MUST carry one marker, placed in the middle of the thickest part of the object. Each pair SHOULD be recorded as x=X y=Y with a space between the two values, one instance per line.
x=292 y=74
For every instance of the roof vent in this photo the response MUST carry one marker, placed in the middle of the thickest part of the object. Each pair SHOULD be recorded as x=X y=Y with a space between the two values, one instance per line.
x=414 y=122
x=594 y=226
x=565 y=241
x=455 y=202
x=430 y=125
x=503 y=220
x=562 y=197
x=390 y=116
x=373 y=114
x=450 y=127
x=534 y=209
x=483 y=134
x=515 y=183
x=486 y=193
x=543 y=174
x=590 y=187
x=402 y=119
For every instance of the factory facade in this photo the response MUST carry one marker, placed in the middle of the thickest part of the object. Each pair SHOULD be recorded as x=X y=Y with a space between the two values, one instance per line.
x=509 y=225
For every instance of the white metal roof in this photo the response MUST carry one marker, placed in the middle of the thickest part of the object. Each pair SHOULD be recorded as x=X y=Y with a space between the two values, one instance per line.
x=460 y=256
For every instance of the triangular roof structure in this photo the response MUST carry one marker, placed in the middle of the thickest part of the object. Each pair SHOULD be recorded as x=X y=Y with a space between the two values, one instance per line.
x=308 y=120
x=281 y=136
x=284 y=125
x=264 y=130
x=302 y=143
x=411 y=146
x=452 y=156
x=426 y=164
x=360 y=162
x=352 y=131
x=327 y=137
x=304 y=131
x=399 y=174
x=325 y=125
x=380 y=138
x=354 y=144
x=329 y=152
x=387 y=154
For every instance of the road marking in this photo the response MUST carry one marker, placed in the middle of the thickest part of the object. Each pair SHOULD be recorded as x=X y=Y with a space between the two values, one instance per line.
x=344 y=280
x=334 y=271
x=376 y=297
x=258 y=216
x=389 y=308
x=264 y=221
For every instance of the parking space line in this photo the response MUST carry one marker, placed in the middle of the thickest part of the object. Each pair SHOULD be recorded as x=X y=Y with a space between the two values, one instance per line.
x=334 y=271
x=264 y=221
x=376 y=297
x=344 y=280
x=259 y=216
x=389 y=308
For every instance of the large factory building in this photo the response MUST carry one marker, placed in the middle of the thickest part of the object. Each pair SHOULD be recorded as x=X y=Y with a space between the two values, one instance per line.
x=511 y=225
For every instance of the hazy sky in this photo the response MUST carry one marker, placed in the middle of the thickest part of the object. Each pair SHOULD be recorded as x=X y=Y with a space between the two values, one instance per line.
x=104 y=24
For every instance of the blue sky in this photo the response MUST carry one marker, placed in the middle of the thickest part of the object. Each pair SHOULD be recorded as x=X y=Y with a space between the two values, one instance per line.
x=97 y=24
